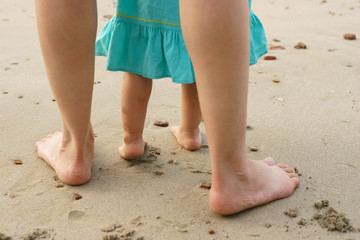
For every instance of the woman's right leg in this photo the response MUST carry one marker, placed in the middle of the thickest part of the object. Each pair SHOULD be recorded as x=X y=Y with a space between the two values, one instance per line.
x=67 y=31
x=216 y=34
x=135 y=94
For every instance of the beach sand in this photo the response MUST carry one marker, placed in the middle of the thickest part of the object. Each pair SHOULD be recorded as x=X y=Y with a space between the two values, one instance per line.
x=309 y=119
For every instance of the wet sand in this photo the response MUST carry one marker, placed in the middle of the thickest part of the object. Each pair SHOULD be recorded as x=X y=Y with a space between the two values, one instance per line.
x=309 y=118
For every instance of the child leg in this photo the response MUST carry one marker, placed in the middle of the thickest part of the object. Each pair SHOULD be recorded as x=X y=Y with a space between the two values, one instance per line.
x=216 y=34
x=69 y=59
x=188 y=134
x=135 y=94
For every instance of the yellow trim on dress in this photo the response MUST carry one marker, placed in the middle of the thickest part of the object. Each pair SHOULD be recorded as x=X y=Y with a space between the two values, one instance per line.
x=146 y=20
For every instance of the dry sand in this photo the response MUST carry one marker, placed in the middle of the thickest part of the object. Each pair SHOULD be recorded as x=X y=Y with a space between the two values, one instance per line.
x=309 y=120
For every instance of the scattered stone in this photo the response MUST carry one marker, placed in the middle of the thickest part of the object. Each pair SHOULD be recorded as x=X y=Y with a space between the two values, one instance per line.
x=210 y=231
x=300 y=45
x=170 y=161
x=322 y=204
x=5 y=92
x=110 y=228
x=173 y=153
x=56 y=178
x=160 y=123
x=37 y=103
x=37 y=234
x=158 y=173
x=302 y=222
x=196 y=171
x=276 y=40
x=14 y=63
x=291 y=213
x=267 y=225
x=276 y=47
x=276 y=80
x=54 y=100
x=18 y=162
x=77 y=196
x=333 y=221
x=20 y=96
x=253 y=149
x=205 y=185
x=7 y=69
x=349 y=36
x=269 y=58
x=59 y=185
x=3 y=237
x=248 y=127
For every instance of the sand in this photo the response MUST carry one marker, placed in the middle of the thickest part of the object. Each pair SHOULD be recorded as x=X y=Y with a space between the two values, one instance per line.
x=309 y=119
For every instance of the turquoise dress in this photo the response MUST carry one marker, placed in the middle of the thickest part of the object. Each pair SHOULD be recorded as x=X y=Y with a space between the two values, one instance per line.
x=144 y=37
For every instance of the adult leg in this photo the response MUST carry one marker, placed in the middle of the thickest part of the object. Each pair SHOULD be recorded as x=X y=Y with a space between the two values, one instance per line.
x=188 y=134
x=67 y=31
x=216 y=34
x=135 y=94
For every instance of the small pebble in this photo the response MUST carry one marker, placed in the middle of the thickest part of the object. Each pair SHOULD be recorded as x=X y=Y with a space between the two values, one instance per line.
x=37 y=103
x=108 y=228
x=14 y=63
x=276 y=40
x=59 y=185
x=205 y=185
x=253 y=149
x=54 y=100
x=18 y=162
x=20 y=96
x=349 y=36
x=291 y=213
x=77 y=196
x=300 y=45
x=272 y=47
x=276 y=80
x=5 y=92
x=158 y=173
x=160 y=123
x=267 y=225
x=210 y=231
x=269 y=57
x=248 y=127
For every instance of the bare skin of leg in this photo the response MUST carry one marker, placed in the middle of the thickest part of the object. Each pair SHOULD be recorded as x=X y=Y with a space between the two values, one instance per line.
x=135 y=94
x=216 y=34
x=188 y=133
x=69 y=60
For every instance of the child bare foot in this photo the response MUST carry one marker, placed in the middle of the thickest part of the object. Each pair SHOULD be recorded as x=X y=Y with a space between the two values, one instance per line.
x=262 y=182
x=190 y=140
x=132 y=150
x=72 y=166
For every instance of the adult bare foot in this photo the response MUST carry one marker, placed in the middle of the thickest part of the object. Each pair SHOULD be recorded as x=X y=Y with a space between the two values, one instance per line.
x=190 y=140
x=133 y=149
x=71 y=164
x=262 y=182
